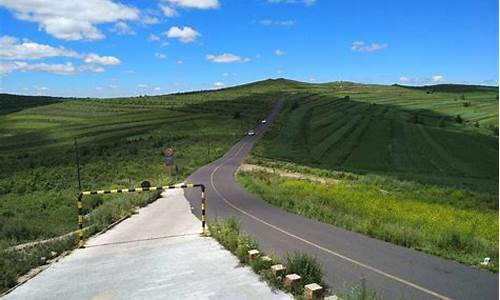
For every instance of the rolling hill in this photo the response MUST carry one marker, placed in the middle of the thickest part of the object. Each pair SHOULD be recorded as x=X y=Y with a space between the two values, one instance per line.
x=340 y=126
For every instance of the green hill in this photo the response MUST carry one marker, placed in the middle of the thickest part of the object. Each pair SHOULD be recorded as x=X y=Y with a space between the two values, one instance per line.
x=437 y=138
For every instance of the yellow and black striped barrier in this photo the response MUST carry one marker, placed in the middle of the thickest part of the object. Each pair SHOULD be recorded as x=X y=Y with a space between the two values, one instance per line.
x=144 y=188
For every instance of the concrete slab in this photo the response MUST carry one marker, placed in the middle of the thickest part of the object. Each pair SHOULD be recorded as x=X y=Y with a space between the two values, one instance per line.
x=156 y=254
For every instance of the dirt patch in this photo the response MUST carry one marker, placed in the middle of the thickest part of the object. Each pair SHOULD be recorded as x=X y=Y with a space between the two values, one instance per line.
x=287 y=174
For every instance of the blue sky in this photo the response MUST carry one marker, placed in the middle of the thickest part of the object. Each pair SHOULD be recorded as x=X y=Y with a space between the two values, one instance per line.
x=107 y=48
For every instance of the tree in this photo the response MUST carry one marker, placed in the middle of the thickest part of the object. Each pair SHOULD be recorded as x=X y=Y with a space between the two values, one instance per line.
x=459 y=119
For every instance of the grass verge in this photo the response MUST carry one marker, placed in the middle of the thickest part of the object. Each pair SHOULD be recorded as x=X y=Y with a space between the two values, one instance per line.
x=431 y=219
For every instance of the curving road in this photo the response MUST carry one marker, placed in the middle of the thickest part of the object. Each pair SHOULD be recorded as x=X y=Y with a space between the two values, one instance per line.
x=394 y=272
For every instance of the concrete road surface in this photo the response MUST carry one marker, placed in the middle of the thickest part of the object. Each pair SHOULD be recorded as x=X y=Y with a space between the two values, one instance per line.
x=394 y=272
x=156 y=254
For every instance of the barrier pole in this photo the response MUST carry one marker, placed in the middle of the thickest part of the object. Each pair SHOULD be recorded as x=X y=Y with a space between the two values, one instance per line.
x=79 y=205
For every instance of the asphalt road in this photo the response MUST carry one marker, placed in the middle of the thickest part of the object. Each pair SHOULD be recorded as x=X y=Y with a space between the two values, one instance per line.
x=394 y=272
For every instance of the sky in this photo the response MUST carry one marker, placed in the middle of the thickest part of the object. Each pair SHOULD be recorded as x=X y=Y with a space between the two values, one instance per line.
x=111 y=48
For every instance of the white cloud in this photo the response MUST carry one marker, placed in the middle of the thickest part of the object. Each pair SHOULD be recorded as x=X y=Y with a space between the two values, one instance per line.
x=179 y=62
x=218 y=85
x=404 y=79
x=153 y=38
x=122 y=28
x=160 y=55
x=71 y=19
x=438 y=78
x=91 y=68
x=150 y=20
x=422 y=80
x=279 y=52
x=142 y=85
x=360 y=46
x=10 y=66
x=185 y=35
x=225 y=74
x=168 y=11
x=11 y=48
x=199 y=4
x=226 y=58
x=93 y=58
x=286 y=23
x=157 y=88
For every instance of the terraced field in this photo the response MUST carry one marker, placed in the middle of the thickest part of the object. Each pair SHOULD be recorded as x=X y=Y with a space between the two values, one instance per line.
x=393 y=130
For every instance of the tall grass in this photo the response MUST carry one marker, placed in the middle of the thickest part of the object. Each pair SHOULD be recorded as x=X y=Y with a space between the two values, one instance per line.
x=409 y=219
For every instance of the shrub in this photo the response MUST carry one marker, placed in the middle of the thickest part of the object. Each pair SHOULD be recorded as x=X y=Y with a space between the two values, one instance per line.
x=459 y=119
x=245 y=243
x=306 y=266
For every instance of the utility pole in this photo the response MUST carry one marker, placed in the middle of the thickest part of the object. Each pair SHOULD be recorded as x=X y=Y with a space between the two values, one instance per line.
x=77 y=160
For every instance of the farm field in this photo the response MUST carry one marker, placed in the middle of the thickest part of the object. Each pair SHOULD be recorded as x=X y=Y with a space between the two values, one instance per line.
x=120 y=145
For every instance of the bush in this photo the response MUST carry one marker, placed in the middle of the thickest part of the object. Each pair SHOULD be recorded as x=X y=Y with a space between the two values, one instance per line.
x=226 y=233
x=245 y=243
x=459 y=119
x=306 y=266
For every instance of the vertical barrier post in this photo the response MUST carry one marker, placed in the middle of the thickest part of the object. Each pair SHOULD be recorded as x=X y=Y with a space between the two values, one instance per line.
x=203 y=207
x=79 y=205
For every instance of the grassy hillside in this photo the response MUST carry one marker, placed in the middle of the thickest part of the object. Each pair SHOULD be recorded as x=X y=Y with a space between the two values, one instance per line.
x=392 y=130
x=11 y=103
x=121 y=143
